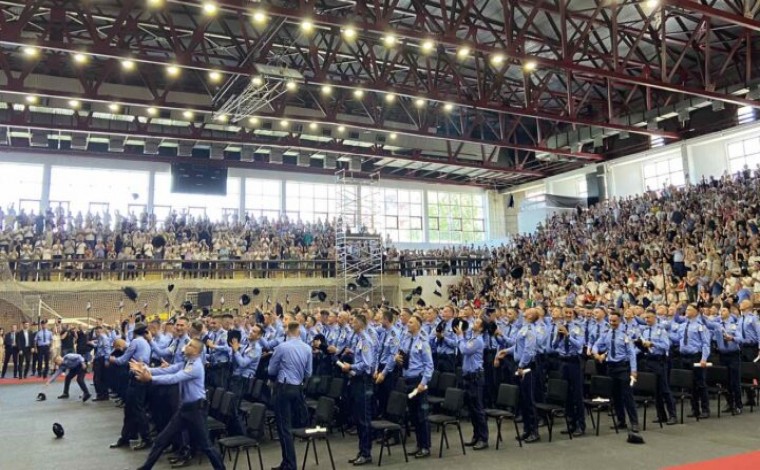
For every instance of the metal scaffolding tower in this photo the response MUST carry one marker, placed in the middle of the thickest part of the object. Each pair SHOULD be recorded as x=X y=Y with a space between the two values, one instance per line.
x=358 y=247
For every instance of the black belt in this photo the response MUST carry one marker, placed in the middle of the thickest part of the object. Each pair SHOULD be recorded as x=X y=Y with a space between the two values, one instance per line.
x=729 y=353
x=194 y=405
x=473 y=375
x=285 y=384
x=569 y=358
x=655 y=357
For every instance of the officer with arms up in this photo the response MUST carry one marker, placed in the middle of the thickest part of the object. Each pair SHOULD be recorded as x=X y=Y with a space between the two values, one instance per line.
x=474 y=381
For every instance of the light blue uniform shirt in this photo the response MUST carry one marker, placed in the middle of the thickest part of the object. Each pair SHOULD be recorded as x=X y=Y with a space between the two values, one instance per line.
x=472 y=353
x=43 y=338
x=70 y=361
x=103 y=345
x=291 y=362
x=694 y=338
x=220 y=354
x=730 y=328
x=448 y=345
x=659 y=338
x=246 y=360
x=172 y=353
x=623 y=349
x=388 y=348
x=571 y=344
x=271 y=339
x=364 y=354
x=138 y=349
x=596 y=330
x=526 y=346
x=750 y=329
x=189 y=375
x=420 y=358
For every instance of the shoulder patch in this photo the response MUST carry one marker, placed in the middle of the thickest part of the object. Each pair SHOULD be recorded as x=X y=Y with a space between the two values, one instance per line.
x=188 y=367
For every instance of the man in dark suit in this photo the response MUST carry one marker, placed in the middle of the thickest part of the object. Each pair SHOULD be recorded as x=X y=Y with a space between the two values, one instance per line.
x=25 y=342
x=11 y=352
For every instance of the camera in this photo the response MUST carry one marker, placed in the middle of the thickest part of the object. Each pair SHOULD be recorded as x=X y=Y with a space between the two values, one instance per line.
x=404 y=359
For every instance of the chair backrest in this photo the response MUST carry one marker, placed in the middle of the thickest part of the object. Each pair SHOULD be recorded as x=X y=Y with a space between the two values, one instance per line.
x=446 y=381
x=336 y=388
x=324 y=385
x=750 y=372
x=396 y=405
x=312 y=385
x=325 y=411
x=556 y=391
x=590 y=368
x=433 y=383
x=229 y=403
x=681 y=378
x=646 y=384
x=256 y=419
x=555 y=374
x=716 y=375
x=453 y=401
x=508 y=397
x=400 y=385
x=216 y=399
x=249 y=387
x=258 y=387
x=601 y=386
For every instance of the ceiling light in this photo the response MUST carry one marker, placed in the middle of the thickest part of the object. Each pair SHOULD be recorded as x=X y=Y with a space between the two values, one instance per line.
x=214 y=76
x=80 y=58
x=30 y=51
x=155 y=3
x=497 y=59
x=341 y=128
x=74 y=104
x=419 y=102
x=313 y=126
x=259 y=17
x=307 y=26
x=530 y=65
x=210 y=8
x=172 y=70
x=253 y=120
x=291 y=85
x=188 y=114
x=358 y=93
x=390 y=98
x=114 y=107
x=349 y=32
x=393 y=136
x=128 y=64
x=389 y=40
x=653 y=4
x=326 y=89
x=428 y=45
x=151 y=111
x=222 y=118
x=284 y=123
x=463 y=52
x=31 y=99
x=448 y=107
x=257 y=81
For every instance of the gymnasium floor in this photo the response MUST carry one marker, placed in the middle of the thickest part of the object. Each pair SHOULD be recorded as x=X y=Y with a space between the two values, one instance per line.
x=27 y=442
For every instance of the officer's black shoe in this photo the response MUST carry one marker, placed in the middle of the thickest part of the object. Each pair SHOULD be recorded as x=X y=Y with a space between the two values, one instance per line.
x=358 y=456
x=144 y=444
x=532 y=438
x=362 y=460
x=522 y=436
x=693 y=415
x=470 y=443
x=100 y=399
x=579 y=433
x=86 y=397
x=480 y=446
x=183 y=462
x=566 y=432
x=422 y=454
x=737 y=412
x=704 y=416
x=634 y=428
x=119 y=443
x=727 y=409
x=413 y=452
x=64 y=396
x=672 y=421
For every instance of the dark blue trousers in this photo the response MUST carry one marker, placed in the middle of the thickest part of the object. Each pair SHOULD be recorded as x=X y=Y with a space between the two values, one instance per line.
x=572 y=372
x=290 y=411
x=362 y=398
x=473 y=388
x=418 y=413
x=528 y=401
x=622 y=396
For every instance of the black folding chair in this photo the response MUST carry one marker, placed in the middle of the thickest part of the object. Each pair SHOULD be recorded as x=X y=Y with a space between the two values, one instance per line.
x=682 y=384
x=507 y=398
x=556 y=399
x=324 y=416
x=644 y=391
x=246 y=442
x=717 y=382
x=395 y=413
x=453 y=403
x=601 y=400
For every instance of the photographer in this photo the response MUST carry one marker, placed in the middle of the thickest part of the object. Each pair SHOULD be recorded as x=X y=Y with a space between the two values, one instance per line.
x=474 y=380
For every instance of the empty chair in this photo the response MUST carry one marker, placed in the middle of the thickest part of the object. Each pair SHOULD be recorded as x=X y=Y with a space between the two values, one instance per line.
x=600 y=391
x=681 y=384
x=246 y=442
x=556 y=397
x=644 y=391
x=323 y=417
x=750 y=379
x=395 y=413
x=507 y=398
x=445 y=381
x=452 y=404
x=716 y=378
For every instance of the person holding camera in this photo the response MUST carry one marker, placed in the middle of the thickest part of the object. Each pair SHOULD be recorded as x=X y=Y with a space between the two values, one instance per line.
x=474 y=379
x=568 y=345
x=416 y=359
x=446 y=342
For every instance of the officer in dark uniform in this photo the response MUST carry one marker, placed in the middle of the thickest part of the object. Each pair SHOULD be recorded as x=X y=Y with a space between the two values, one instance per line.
x=360 y=372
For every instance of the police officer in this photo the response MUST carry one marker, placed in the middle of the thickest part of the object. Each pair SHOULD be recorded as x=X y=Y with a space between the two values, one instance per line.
x=360 y=372
x=474 y=381
x=135 y=417
x=73 y=365
x=446 y=342
x=42 y=341
x=524 y=352
x=728 y=338
x=245 y=362
x=749 y=328
x=655 y=345
x=617 y=350
x=695 y=348
x=386 y=372
x=191 y=416
x=218 y=355
x=568 y=346
x=102 y=346
x=290 y=366
x=416 y=359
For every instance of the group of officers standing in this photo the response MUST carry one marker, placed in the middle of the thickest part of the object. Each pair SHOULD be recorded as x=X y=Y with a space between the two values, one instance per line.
x=375 y=348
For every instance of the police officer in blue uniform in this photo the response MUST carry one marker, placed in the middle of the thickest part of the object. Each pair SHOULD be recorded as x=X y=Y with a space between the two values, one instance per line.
x=102 y=344
x=472 y=350
x=695 y=349
x=728 y=338
x=218 y=355
x=568 y=346
x=385 y=369
x=617 y=350
x=135 y=416
x=416 y=360
x=290 y=366
x=42 y=341
x=245 y=362
x=191 y=416
x=360 y=372
x=73 y=365
x=655 y=346
x=446 y=342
